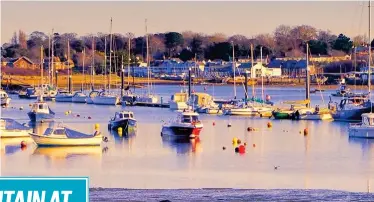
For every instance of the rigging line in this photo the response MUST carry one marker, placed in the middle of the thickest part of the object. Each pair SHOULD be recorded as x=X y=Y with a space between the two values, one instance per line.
x=318 y=84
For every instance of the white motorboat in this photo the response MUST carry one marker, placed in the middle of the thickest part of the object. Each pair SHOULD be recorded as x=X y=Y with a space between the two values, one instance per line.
x=11 y=128
x=365 y=129
x=64 y=96
x=104 y=98
x=148 y=98
x=178 y=101
x=211 y=108
x=79 y=97
x=186 y=125
x=91 y=96
x=58 y=135
x=40 y=112
x=5 y=99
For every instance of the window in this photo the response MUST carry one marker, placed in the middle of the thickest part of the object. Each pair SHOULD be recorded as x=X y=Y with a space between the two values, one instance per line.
x=195 y=118
x=186 y=119
x=120 y=116
x=126 y=115
x=59 y=132
x=40 y=106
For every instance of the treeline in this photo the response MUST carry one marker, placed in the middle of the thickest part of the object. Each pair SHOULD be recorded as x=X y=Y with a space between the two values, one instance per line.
x=284 y=41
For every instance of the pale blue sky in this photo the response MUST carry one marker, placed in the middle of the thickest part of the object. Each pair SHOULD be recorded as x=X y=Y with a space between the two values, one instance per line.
x=248 y=18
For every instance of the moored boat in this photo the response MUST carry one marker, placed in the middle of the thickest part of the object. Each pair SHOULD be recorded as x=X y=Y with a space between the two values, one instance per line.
x=11 y=128
x=186 y=125
x=64 y=96
x=178 y=101
x=124 y=120
x=5 y=99
x=79 y=97
x=365 y=129
x=62 y=136
x=40 y=111
x=91 y=96
x=104 y=98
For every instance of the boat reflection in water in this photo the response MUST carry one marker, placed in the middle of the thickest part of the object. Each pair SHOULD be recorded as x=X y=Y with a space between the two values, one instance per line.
x=123 y=138
x=12 y=145
x=63 y=153
x=182 y=145
x=366 y=144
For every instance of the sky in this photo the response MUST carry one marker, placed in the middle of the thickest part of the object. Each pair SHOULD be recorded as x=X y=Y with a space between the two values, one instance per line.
x=248 y=18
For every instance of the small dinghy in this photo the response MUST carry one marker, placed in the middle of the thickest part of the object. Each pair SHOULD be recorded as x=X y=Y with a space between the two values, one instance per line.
x=11 y=128
x=62 y=136
x=186 y=125
x=123 y=119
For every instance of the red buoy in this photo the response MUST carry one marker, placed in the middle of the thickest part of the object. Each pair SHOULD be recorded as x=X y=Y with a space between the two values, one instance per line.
x=241 y=149
x=214 y=123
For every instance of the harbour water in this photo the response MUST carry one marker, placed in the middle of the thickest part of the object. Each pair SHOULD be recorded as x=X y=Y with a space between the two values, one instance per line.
x=324 y=159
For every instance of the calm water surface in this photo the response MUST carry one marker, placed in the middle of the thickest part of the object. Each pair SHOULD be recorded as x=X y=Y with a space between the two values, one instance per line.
x=325 y=159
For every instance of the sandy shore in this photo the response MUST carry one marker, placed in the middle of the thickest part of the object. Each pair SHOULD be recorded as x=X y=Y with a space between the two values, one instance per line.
x=99 y=81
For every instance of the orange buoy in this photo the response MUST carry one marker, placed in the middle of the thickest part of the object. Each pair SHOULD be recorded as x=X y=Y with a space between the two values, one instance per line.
x=23 y=143
x=214 y=123
x=254 y=145
x=239 y=141
x=305 y=131
x=241 y=149
x=269 y=125
x=245 y=144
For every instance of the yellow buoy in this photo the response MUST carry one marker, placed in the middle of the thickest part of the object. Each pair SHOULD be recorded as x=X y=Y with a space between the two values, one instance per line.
x=120 y=131
x=269 y=125
x=234 y=140
x=66 y=113
x=97 y=126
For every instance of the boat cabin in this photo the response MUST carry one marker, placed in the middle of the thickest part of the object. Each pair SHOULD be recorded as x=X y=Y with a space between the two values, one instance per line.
x=179 y=97
x=368 y=119
x=94 y=93
x=353 y=101
x=40 y=107
x=189 y=117
x=123 y=115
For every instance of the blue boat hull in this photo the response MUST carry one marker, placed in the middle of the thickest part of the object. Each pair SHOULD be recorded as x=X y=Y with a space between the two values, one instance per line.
x=127 y=125
x=38 y=117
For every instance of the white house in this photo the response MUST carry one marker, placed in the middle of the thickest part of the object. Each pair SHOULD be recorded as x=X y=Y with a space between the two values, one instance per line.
x=259 y=70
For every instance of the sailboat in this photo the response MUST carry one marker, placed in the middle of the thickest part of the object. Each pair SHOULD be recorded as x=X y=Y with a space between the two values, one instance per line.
x=250 y=107
x=129 y=98
x=309 y=113
x=365 y=129
x=148 y=97
x=66 y=96
x=104 y=97
x=93 y=93
x=80 y=97
x=353 y=107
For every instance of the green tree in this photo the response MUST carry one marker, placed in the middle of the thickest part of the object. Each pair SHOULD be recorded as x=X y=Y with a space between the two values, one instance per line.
x=317 y=47
x=343 y=43
x=77 y=45
x=222 y=50
x=186 y=55
x=196 y=46
x=172 y=41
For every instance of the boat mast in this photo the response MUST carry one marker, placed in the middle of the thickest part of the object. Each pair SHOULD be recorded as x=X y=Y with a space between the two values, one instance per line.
x=93 y=63
x=146 y=40
x=105 y=70
x=69 y=65
x=110 y=54
x=49 y=55
x=262 y=76
x=53 y=36
x=41 y=71
x=252 y=72
x=307 y=84
x=84 y=57
x=233 y=67
x=128 y=63
x=369 y=62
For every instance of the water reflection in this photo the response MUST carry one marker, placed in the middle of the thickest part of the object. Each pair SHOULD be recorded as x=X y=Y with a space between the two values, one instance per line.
x=12 y=145
x=123 y=138
x=182 y=146
x=64 y=153
x=366 y=144
x=39 y=128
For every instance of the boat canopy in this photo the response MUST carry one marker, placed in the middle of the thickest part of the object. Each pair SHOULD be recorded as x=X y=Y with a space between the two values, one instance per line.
x=69 y=133
x=180 y=97
x=10 y=124
x=189 y=117
x=297 y=102
x=124 y=114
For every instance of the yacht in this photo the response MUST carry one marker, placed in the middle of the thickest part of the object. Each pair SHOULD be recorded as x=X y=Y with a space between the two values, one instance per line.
x=350 y=108
x=186 y=125
x=64 y=96
x=104 y=98
x=91 y=96
x=79 y=97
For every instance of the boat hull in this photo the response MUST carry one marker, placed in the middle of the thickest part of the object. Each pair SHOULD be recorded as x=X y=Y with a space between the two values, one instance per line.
x=361 y=132
x=37 y=117
x=106 y=100
x=89 y=100
x=281 y=115
x=326 y=116
x=14 y=133
x=178 y=105
x=351 y=114
x=181 y=132
x=53 y=141
x=128 y=125
x=79 y=99
x=5 y=101
x=64 y=99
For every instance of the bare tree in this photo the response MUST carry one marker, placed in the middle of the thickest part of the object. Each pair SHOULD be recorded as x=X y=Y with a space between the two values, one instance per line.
x=283 y=38
x=14 y=39
x=359 y=40
x=267 y=40
x=22 y=39
x=217 y=37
